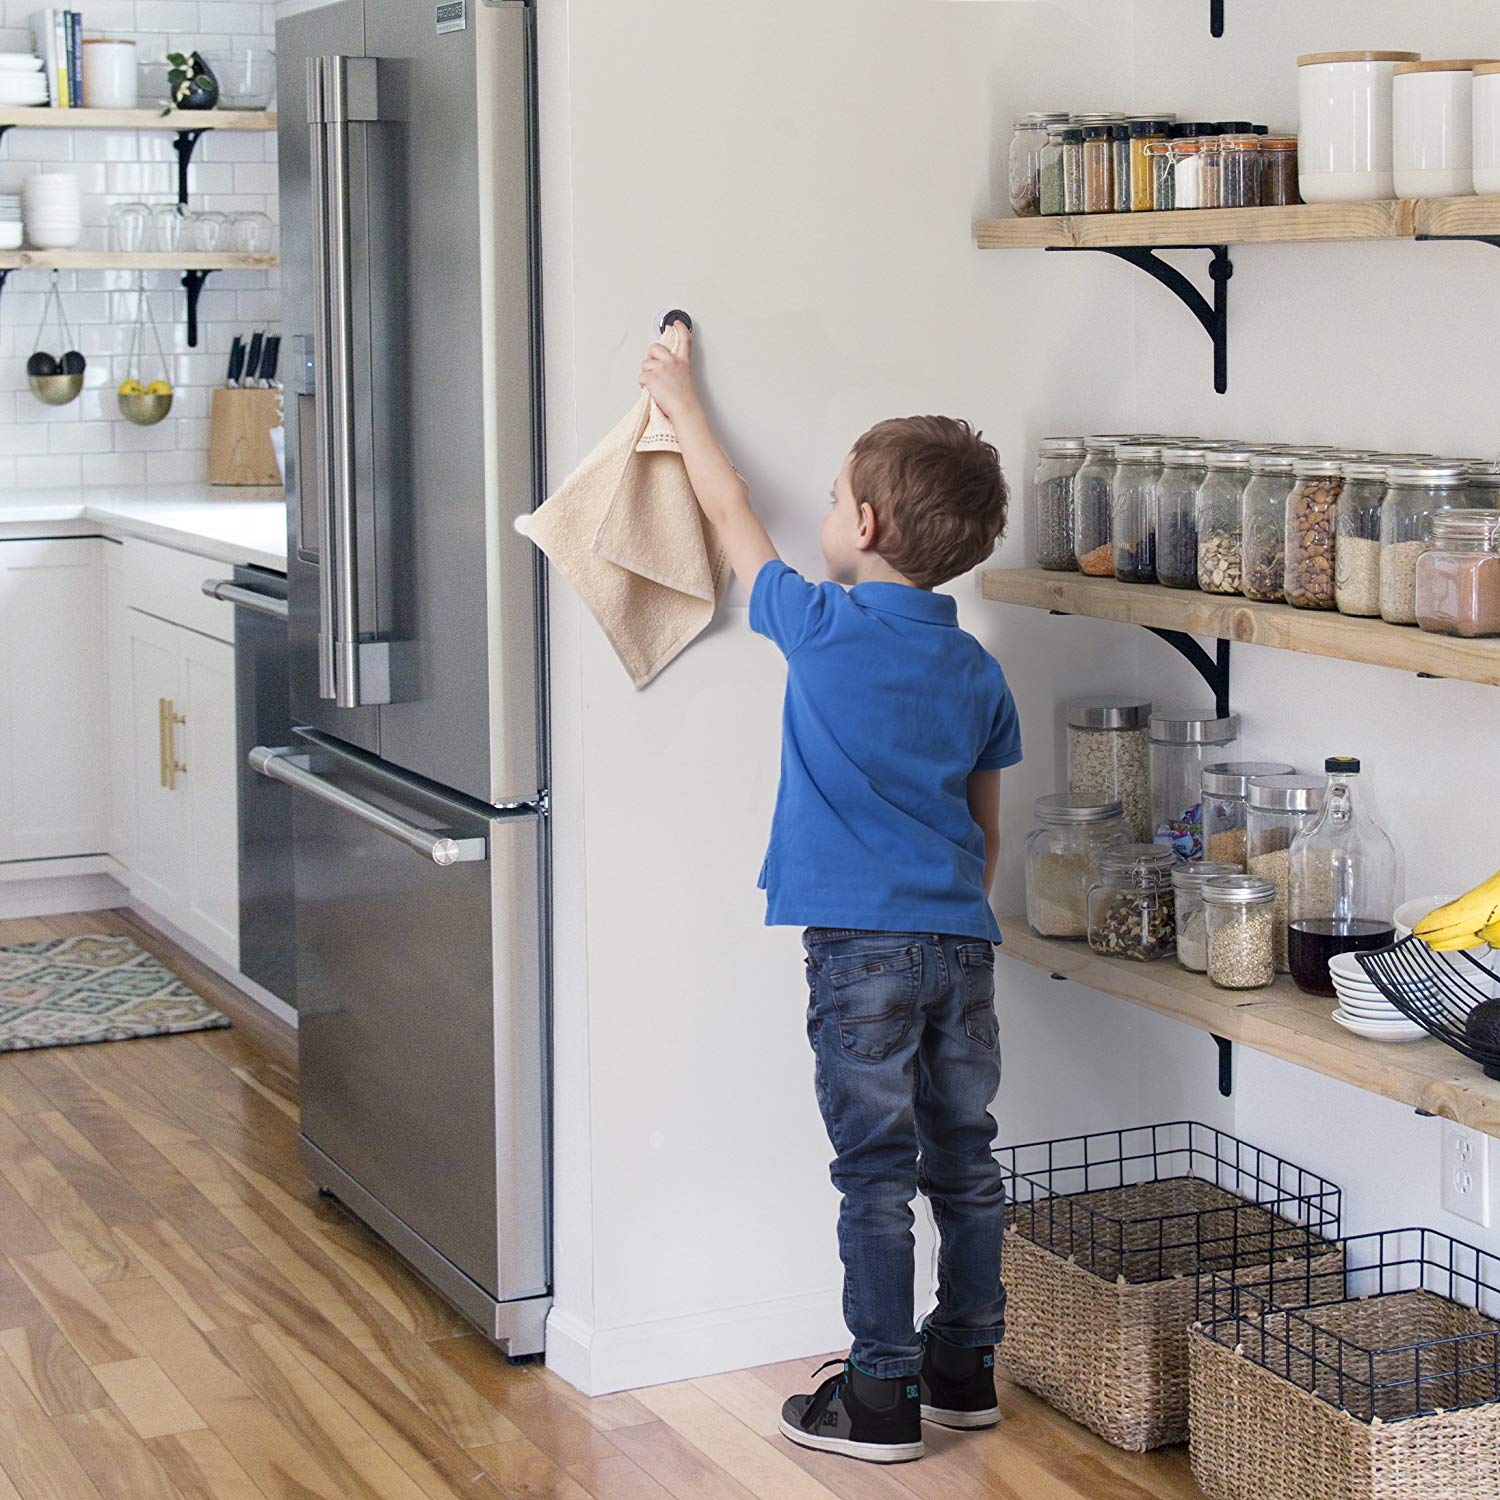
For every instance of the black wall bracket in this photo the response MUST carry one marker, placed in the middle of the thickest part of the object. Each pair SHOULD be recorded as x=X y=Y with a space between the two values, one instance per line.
x=184 y=143
x=1213 y=316
x=192 y=282
x=1214 y=670
x=1226 y=1064
x=1477 y=239
x=1216 y=17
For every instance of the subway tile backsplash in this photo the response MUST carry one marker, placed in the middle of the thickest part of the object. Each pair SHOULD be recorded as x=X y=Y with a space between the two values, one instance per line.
x=88 y=442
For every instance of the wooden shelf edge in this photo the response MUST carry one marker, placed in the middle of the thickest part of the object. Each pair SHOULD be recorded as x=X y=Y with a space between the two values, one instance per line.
x=144 y=260
x=1279 y=1021
x=1307 y=223
x=1231 y=618
x=46 y=118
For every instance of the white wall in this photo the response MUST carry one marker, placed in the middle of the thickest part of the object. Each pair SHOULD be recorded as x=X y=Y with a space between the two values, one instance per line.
x=88 y=442
x=801 y=176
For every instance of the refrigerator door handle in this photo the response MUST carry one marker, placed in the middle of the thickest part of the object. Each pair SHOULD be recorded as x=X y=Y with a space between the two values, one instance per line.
x=282 y=764
x=243 y=598
x=340 y=91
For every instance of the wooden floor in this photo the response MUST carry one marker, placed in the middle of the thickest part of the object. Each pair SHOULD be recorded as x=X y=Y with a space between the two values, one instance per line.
x=182 y=1317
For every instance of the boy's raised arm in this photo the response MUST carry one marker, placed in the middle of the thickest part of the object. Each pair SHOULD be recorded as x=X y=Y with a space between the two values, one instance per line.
x=720 y=491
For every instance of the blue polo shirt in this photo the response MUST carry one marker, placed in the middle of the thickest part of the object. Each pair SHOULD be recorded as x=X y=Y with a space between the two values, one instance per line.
x=889 y=709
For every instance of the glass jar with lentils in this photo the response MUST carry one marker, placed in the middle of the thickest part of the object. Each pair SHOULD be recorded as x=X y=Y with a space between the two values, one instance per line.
x=1058 y=461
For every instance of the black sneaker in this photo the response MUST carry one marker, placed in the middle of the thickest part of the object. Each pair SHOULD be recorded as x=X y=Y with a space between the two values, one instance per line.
x=858 y=1416
x=958 y=1385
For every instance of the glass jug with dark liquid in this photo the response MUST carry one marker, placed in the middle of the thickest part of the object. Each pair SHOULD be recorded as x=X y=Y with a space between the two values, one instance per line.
x=1344 y=873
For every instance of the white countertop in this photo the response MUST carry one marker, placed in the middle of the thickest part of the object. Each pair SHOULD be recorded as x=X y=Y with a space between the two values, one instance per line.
x=250 y=528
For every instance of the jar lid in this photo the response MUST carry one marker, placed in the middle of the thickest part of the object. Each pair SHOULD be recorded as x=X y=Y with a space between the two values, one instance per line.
x=1066 y=807
x=1318 y=59
x=1241 y=142
x=1230 y=778
x=108 y=41
x=1286 y=793
x=1363 y=470
x=1189 y=878
x=1227 y=458
x=1313 y=468
x=1187 y=726
x=1098 y=132
x=1183 y=458
x=1270 y=463
x=1108 y=713
x=1278 y=143
x=1060 y=445
x=1039 y=117
x=1486 y=474
x=1146 y=858
x=1234 y=127
x=1157 y=145
x=1137 y=453
x=1187 y=146
x=1443 y=65
x=1481 y=526
x=1184 y=130
x=1119 y=132
x=1105 y=442
x=1151 y=125
x=1446 y=476
x=1238 y=890
x=1160 y=116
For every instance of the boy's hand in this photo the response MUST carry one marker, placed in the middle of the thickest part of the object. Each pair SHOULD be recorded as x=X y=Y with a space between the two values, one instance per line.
x=669 y=377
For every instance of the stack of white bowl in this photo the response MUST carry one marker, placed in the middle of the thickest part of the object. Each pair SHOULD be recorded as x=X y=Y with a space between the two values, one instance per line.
x=10 y=221
x=54 y=210
x=22 y=80
x=1363 y=1009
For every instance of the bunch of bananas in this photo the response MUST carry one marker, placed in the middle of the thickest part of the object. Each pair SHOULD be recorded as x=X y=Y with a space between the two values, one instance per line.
x=1469 y=922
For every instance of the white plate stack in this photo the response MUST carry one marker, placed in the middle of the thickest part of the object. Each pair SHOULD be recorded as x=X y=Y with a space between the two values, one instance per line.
x=22 y=80
x=54 y=212
x=10 y=221
x=1363 y=1009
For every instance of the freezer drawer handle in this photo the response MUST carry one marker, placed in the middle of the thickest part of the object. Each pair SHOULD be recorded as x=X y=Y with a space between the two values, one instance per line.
x=284 y=765
x=242 y=598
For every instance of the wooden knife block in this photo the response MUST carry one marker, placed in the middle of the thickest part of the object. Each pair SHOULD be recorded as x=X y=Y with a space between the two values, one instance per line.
x=239 y=437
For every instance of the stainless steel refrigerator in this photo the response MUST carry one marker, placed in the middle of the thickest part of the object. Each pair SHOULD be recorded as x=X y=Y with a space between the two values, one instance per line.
x=410 y=305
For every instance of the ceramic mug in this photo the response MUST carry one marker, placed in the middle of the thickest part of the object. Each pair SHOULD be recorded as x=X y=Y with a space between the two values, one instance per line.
x=109 y=73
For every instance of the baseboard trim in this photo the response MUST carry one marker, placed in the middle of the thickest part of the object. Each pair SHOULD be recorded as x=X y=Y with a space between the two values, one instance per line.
x=58 y=892
x=600 y=1361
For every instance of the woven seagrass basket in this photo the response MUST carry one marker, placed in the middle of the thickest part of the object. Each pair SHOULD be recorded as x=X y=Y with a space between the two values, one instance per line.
x=1101 y=1286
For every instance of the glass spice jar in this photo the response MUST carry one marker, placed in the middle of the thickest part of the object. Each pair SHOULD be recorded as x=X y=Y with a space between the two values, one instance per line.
x=1239 y=171
x=1098 y=170
x=1058 y=461
x=1220 y=519
x=1050 y=173
x=1278 y=171
x=1137 y=470
x=1132 y=912
x=1187 y=172
x=1458 y=581
x=1183 y=741
x=1158 y=155
x=1226 y=786
x=1263 y=534
x=1093 y=509
x=1109 y=756
x=1026 y=143
x=1278 y=809
x=1312 y=511
x=1119 y=138
x=1356 y=551
x=1142 y=177
x=1241 y=925
x=1413 y=497
x=1062 y=861
x=1072 y=168
x=1177 y=517
x=1187 y=891
x=1210 y=156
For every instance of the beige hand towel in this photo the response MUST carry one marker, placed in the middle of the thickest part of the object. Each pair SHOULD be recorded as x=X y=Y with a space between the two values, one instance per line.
x=627 y=532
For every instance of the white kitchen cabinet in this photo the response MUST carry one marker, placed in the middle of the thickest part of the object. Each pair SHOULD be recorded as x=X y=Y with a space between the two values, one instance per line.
x=184 y=835
x=54 y=700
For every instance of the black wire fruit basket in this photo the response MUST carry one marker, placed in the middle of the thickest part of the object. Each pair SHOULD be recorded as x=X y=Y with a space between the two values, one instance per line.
x=1439 y=991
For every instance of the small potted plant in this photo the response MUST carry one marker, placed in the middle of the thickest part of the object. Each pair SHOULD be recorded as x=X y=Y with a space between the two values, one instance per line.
x=190 y=82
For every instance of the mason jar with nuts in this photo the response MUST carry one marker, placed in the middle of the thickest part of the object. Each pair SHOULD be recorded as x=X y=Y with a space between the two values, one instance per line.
x=1312 y=512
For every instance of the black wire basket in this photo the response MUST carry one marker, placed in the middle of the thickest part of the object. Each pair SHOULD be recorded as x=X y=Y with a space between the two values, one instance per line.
x=1437 y=991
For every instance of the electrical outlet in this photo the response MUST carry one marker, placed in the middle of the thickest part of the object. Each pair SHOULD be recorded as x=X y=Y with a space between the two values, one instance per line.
x=1466 y=1173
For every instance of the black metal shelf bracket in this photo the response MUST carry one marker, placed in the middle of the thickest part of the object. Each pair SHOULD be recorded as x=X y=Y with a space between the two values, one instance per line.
x=4 y=277
x=192 y=282
x=1216 y=17
x=1476 y=239
x=1213 y=316
x=186 y=140
x=1226 y=1064
x=1214 y=670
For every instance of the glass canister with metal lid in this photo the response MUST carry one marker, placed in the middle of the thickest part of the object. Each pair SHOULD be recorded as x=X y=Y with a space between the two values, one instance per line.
x=1279 y=808
x=1058 y=461
x=1030 y=136
x=1241 y=923
x=1226 y=786
x=1263 y=515
x=1177 y=516
x=1109 y=756
x=1413 y=497
x=1484 y=478
x=1192 y=932
x=1133 y=530
x=1356 y=553
x=1183 y=741
x=1093 y=509
x=1062 y=860
x=1132 y=911
x=1458 y=580
x=1220 y=519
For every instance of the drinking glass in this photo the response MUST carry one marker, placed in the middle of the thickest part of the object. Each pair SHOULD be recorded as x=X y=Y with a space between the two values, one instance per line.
x=208 y=231
x=171 y=227
x=127 y=227
x=250 y=232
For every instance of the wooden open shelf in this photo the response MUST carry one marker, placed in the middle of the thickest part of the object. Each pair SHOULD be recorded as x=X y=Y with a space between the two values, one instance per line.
x=45 y=118
x=1404 y=219
x=1231 y=618
x=140 y=260
x=1280 y=1021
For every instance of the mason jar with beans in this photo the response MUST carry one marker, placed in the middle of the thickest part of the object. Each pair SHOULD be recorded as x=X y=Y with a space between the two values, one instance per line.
x=1312 y=512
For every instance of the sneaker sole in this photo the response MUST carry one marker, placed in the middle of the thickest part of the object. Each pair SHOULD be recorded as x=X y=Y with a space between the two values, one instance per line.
x=870 y=1453
x=965 y=1420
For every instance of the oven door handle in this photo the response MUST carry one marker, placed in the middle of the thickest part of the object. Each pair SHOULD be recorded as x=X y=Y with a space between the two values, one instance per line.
x=242 y=598
x=442 y=849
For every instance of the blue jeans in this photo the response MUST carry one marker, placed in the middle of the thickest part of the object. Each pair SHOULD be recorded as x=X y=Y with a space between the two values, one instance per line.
x=906 y=1042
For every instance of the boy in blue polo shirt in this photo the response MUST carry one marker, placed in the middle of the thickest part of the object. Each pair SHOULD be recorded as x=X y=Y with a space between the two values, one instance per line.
x=896 y=727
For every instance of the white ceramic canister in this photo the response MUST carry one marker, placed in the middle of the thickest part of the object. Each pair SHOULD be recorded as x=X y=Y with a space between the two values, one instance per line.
x=1434 y=128
x=109 y=73
x=1487 y=128
x=1344 y=135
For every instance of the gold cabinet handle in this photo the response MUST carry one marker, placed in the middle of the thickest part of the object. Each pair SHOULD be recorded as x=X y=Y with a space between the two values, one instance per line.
x=167 y=720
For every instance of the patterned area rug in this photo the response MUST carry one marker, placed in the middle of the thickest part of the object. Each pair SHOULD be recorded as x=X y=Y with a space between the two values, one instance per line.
x=65 y=992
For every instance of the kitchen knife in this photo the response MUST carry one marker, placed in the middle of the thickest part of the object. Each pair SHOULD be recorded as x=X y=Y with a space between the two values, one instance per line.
x=268 y=359
x=252 y=360
x=236 y=360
